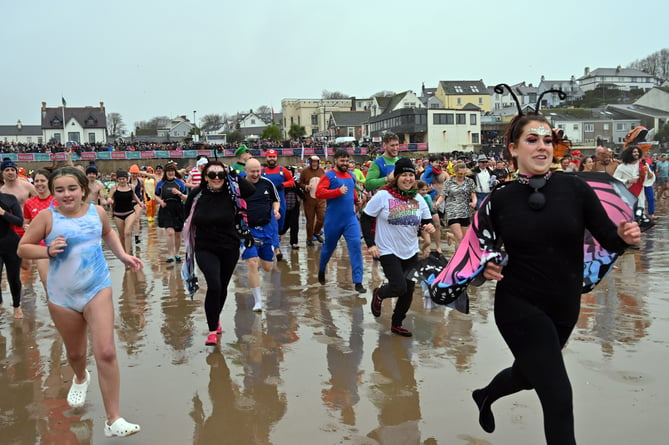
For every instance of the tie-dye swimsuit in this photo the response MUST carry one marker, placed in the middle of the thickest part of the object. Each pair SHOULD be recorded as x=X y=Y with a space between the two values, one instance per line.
x=80 y=272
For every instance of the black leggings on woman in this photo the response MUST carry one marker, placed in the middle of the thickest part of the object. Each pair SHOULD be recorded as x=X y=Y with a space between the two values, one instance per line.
x=217 y=268
x=8 y=257
x=536 y=342
x=395 y=269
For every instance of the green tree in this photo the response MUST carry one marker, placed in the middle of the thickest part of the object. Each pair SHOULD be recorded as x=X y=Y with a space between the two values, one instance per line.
x=115 y=125
x=297 y=131
x=235 y=137
x=663 y=135
x=271 y=133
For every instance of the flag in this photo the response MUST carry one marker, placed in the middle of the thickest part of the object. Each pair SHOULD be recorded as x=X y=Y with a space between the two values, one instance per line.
x=272 y=114
x=64 y=102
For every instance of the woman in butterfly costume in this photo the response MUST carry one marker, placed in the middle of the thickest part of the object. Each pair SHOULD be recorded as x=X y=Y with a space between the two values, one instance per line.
x=541 y=220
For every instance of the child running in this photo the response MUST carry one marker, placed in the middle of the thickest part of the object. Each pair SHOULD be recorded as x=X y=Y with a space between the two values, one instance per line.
x=79 y=287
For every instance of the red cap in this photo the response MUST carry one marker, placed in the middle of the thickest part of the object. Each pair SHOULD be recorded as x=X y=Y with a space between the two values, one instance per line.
x=576 y=153
x=271 y=152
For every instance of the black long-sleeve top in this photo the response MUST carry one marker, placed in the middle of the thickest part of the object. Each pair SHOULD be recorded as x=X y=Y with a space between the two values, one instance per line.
x=545 y=247
x=214 y=217
x=13 y=215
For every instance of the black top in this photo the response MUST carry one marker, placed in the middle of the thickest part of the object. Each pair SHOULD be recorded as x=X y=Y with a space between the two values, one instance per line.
x=260 y=203
x=214 y=217
x=13 y=215
x=545 y=247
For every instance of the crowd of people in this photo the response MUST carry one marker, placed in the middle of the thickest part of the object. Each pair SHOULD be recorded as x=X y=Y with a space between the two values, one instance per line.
x=400 y=207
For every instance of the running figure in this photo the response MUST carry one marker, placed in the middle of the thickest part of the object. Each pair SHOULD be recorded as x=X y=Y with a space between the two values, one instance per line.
x=79 y=287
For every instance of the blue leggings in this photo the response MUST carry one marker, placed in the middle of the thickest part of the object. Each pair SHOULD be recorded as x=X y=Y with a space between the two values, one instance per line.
x=334 y=228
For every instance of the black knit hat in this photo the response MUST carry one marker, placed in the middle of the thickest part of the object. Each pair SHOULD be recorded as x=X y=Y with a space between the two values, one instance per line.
x=404 y=165
x=8 y=163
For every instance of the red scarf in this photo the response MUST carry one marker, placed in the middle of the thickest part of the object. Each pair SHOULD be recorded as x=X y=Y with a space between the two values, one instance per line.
x=396 y=193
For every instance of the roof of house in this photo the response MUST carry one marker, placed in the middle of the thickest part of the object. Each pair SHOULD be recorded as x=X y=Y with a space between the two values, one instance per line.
x=638 y=110
x=87 y=117
x=608 y=72
x=464 y=87
x=350 y=118
x=25 y=130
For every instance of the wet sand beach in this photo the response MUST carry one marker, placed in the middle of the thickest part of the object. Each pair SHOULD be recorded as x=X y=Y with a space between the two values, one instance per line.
x=316 y=367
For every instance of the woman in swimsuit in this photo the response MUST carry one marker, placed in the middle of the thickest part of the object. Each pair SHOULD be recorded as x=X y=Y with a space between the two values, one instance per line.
x=123 y=200
x=79 y=287
x=33 y=206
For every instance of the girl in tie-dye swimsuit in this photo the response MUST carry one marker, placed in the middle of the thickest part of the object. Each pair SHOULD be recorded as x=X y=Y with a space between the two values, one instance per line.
x=79 y=287
x=68 y=287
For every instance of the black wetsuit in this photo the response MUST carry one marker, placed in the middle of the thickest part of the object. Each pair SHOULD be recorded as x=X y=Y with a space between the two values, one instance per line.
x=216 y=242
x=9 y=242
x=538 y=301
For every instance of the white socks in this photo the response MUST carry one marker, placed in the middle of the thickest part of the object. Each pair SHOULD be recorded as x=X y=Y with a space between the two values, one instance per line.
x=257 y=299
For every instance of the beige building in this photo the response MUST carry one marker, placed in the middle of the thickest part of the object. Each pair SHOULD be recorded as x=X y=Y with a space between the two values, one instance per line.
x=456 y=94
x=312 y=114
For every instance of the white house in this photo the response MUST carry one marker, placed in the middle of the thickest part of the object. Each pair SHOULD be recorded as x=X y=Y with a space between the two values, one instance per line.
x=81 y=124
x=622 y=78
x=551 y=100
x=178 y=128
x=21 y=134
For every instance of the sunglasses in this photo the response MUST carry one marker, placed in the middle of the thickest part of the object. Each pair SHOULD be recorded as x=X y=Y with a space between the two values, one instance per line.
x=214 y=175
x=537 y=200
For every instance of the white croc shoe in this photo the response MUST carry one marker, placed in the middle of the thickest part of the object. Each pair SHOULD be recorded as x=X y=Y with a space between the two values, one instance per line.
x=121 y=428
x=76 y=397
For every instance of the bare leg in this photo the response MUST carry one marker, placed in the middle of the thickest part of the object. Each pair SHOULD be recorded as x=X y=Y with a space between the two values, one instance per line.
x=99 y=314
x=72 y=327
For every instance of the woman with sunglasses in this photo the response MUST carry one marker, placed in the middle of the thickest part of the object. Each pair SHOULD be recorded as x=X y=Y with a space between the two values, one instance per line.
x=540 y=219
x=216 y=244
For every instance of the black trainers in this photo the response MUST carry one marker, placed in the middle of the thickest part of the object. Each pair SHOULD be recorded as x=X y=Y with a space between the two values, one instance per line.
x=310 y=243
x=321 y=276
x=359 y=288
x=375 y=305
x=399 y=330
x=319 y=238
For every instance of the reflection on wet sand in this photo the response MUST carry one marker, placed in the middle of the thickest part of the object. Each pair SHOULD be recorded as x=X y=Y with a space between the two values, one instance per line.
x=316 y=367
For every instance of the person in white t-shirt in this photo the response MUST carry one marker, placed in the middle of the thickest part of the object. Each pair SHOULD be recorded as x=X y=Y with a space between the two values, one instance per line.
x=399 y=214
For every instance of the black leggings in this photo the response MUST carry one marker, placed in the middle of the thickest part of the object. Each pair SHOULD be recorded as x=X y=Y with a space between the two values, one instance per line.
x=8 y=257
x=395 y=269
x=292 y=222
x=536 y=342
x=217 y=269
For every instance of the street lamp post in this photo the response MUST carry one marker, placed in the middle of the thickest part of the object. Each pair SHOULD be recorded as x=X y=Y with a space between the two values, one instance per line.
x=195 y=124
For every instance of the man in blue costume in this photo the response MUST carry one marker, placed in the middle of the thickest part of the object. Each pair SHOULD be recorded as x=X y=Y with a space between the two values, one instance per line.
x=282 y=179
x=337 y=186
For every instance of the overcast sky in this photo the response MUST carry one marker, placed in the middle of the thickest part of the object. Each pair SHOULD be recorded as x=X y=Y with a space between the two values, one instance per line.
x=152 y=58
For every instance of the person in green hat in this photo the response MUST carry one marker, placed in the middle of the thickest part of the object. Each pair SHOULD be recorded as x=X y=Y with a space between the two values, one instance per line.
x=243 y=154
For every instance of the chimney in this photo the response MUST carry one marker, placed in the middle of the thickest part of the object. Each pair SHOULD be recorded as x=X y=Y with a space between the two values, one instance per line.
x=43 y=106
x=587 y=71
x=102 y=105
x=542 y=78
x=618 y=69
